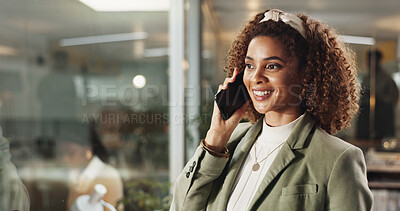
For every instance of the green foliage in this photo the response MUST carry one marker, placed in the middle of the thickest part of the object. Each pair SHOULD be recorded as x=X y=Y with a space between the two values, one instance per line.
x=147 y=195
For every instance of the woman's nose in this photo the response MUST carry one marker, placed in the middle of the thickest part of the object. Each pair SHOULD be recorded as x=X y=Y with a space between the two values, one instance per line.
x=258 y=77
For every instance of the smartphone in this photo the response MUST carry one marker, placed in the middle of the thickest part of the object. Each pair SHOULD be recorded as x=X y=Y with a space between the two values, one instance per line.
x=231 y=99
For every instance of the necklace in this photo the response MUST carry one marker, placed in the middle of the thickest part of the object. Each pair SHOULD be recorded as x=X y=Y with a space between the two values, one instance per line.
x=256 y=164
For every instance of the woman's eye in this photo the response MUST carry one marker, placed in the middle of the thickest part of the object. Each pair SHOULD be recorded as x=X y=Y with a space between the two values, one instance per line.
x=249 y=66
x=273 y=66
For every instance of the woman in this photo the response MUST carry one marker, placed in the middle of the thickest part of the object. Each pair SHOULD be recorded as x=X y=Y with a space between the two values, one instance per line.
x=303 y=87
x=89 y=163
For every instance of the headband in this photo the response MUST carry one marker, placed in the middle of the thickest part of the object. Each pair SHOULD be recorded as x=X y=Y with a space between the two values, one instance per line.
x=294 y=21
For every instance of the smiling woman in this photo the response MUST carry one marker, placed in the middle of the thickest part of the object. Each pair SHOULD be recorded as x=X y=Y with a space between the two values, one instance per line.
x=302 y=83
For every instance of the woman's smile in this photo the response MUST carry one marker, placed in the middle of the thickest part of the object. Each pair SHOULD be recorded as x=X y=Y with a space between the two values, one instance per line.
x=261 y=94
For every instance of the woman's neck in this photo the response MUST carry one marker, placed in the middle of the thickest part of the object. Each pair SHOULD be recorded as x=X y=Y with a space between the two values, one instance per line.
x=277 y=118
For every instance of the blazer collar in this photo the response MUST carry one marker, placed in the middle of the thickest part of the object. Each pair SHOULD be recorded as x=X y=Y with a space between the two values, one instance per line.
x=300 y=132
x=237 y=160
x=296 y=140
x=286 y=155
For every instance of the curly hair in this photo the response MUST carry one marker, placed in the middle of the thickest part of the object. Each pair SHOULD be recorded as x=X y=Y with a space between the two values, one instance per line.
x=329 y=86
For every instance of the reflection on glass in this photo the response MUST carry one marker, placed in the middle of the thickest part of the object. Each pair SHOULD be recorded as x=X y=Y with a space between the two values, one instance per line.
x=88 y=161
x=57 y=95
x=13 y=195
x=65 y=68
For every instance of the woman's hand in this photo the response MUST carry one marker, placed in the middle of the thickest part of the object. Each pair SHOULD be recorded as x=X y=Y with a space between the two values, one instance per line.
x=221 y=130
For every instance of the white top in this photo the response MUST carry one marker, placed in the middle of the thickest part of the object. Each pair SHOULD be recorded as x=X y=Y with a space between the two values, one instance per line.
x=248 y=181
x=80 y=179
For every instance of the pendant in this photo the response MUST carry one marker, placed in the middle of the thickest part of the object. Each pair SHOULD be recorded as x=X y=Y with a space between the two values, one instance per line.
x=256 y=166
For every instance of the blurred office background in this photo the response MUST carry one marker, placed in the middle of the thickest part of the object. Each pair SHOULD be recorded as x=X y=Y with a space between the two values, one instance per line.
x=143 y=79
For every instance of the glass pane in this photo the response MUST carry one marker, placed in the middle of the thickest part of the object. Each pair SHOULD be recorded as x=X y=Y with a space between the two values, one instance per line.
x=84 y=100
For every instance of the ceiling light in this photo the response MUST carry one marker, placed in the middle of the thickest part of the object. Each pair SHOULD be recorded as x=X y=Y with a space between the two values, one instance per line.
x=127 y=5
x=103 y=39
x=358 y=40
x=156 y=52
x=139 y=81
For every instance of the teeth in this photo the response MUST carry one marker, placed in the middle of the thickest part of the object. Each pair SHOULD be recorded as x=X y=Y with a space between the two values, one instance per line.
x=262 y=93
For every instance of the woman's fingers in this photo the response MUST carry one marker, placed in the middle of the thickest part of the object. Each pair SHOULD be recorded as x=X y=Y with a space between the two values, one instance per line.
x=221 y=87
x=235 y=72
x=233 y=77
x=229 y=80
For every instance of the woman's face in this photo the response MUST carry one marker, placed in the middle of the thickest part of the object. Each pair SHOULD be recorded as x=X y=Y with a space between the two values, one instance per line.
x=271 y=76
x=74 y=154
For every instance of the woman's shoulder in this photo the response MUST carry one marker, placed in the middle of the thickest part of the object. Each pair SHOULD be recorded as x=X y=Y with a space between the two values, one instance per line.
x=325 y=152
x=330 y=144
x=111 y=169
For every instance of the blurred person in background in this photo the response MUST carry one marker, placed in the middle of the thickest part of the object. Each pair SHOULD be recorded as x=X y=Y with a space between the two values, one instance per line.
x=386 y=98
x=13 y=194
x=89 y=166
x=302 y=81
x=57 y=95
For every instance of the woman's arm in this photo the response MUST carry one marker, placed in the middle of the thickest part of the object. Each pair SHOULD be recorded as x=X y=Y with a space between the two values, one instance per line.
x=194 y=184
x=348 y=184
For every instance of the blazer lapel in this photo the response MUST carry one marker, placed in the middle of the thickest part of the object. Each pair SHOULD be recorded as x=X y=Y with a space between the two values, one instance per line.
x=238 y=157
x=285 y=156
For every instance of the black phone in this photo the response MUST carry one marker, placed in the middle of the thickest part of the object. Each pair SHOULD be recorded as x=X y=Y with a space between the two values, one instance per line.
x=231 y=99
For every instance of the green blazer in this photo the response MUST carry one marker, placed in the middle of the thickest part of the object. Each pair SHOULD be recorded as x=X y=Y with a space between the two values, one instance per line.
x=312 y=171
